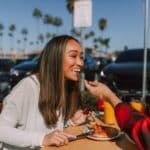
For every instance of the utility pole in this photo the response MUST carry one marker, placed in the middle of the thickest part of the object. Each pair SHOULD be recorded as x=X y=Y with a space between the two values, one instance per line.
x=144 y=85
x=82 y=18
x=83 y=48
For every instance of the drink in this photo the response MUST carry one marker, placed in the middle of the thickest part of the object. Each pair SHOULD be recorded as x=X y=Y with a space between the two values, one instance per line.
x=109 y=114
x=137 y=105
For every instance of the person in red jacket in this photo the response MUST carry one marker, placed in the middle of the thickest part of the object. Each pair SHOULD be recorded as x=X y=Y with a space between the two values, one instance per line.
x=135 y=124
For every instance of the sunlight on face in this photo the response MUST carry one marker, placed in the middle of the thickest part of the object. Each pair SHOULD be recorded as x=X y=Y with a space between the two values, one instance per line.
x=73 y=60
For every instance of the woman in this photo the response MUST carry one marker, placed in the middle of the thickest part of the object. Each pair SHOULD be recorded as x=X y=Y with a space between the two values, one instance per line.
x=36 y=110
x=135 y=124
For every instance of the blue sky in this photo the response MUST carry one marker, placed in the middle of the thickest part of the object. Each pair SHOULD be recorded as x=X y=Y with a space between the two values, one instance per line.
x=125 y=20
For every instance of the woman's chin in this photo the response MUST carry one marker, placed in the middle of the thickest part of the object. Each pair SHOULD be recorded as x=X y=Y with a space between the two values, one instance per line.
x=73 y=79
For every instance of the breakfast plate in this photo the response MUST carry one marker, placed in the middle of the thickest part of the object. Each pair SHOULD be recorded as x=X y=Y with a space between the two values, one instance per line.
x=104 y=133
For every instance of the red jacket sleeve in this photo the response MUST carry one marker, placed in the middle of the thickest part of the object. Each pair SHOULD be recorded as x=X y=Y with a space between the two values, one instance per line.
x=135 y=124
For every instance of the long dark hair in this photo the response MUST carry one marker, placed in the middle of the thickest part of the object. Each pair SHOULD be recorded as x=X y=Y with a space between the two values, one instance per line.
x=56 y=94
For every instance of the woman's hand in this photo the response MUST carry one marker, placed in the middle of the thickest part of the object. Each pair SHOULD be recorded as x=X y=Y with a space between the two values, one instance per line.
x=57 y=138
x=94 y=88
x=79 y=117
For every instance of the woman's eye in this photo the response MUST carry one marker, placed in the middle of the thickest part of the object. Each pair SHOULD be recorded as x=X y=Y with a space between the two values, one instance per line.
x=81 y=57
x=73 y=56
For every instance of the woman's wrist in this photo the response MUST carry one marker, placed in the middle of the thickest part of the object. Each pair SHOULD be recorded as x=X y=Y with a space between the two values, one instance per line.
x=111 y=98
x=69 y=123
x=114 y=100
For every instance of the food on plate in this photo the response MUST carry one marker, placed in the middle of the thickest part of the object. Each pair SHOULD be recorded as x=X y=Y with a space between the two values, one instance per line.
x=101 y=131
x=98 y=130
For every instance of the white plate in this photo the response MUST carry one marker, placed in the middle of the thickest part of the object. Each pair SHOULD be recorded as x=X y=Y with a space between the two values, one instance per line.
x=113 y=133
x=103 y=138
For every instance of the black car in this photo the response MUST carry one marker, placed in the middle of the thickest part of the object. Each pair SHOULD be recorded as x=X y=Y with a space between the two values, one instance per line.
x=102 y=62
x=93 y=66
x=125 y=75
x=22 y=70
x=5 y=66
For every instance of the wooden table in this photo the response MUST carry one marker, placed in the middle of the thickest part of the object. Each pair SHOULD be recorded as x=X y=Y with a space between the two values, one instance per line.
x=121 y=143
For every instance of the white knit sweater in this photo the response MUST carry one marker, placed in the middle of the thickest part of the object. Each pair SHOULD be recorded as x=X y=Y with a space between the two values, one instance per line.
x=21 y=124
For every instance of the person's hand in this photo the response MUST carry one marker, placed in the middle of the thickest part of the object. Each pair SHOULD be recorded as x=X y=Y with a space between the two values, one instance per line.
x=79 y=117
x=57 y=138
x=101 y=91
x=97 y=89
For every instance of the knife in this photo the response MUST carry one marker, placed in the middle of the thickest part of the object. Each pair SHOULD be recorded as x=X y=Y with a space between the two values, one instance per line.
x=81 y=136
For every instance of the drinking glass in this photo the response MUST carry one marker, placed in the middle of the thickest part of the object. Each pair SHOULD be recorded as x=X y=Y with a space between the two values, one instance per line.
x=138 y=105
x=109 y=114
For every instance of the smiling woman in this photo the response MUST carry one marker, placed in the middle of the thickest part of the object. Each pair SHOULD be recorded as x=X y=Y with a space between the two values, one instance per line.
x=40 y=105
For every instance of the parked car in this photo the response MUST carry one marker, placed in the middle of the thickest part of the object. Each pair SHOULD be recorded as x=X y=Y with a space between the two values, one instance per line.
x=90 y=67
x=101 y=62
x=22 y=70
x=5 y=66
x=93 y=66
x=5 y=86
x=125 y=75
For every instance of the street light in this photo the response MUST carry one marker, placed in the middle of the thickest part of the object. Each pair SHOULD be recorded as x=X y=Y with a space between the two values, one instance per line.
x=82 y=19
x=144 y=85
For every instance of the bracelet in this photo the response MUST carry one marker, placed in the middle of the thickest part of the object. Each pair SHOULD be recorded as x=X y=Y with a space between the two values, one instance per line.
x=69 y=123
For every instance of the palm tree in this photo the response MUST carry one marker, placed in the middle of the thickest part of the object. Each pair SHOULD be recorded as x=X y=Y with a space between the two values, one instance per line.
x=105 y=42
x=70 y=5
x=57 y=22
x=12 y=29
x=102 y=24
x=37 y=44
x=48 y=20
x=31 y=43
x=37 y=14
x=18 y=42
x=24 y=32
x=97 y=42
x=48 y=36
x=1 y=36
x=89 y=34
x=75 y=32
x=95 y=46
x=41 y=39
x=70 y=8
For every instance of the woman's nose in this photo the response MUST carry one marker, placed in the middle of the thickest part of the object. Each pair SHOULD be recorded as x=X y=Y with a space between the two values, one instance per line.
x=80 y=62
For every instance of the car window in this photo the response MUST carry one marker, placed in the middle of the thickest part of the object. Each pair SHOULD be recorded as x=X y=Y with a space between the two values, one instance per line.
x=36 y=58
x=132 y=56
x=6 y=64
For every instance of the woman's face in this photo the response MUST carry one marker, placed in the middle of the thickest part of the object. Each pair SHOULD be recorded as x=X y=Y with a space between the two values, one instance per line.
x=73 y=60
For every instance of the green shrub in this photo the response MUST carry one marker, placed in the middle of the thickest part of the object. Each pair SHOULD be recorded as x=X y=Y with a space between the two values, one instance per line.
x=89 y=101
